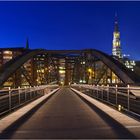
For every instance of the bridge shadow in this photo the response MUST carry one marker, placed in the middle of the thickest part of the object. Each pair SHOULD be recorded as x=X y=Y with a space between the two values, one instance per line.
x=9 y=131
x=118 y=128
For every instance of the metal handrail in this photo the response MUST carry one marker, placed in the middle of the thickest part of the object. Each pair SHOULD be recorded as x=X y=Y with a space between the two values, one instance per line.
x=113 y=87
x=13 y=98
x=128 y=95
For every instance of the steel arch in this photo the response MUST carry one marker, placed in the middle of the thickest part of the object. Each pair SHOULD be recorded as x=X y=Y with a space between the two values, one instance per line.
x=126 y=75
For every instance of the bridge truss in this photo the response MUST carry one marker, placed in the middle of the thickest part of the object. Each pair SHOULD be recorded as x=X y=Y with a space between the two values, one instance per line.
x=39 y=67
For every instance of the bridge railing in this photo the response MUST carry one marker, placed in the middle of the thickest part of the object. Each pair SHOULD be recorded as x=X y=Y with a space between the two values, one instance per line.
x=123 y=98
x=11 y=99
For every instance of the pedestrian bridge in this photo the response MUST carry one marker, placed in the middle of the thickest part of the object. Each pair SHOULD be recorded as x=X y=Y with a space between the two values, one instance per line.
x=69 y=112
x=68 y=94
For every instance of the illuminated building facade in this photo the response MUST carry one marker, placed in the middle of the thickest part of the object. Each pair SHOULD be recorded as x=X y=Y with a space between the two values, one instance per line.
x=35 y=71
x=116 y=50
x=62 y=71
x=130 y=64
x=7 y=54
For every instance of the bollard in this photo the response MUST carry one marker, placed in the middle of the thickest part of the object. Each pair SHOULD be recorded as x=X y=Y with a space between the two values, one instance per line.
x=119 y=107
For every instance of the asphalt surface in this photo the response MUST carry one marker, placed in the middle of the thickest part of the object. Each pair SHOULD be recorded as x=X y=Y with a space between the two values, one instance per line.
x=66 y=116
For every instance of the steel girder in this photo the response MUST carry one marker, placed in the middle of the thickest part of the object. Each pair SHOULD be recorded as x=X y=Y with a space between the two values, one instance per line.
x=11 y=66
x=126 y=75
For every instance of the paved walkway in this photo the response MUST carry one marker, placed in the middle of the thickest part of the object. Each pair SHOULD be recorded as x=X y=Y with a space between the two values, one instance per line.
x=13 y=117
x=65 y=115
x=131 y=124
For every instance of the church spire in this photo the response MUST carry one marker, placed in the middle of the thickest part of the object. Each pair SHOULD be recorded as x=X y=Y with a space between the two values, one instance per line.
x=116 y=49
x=27 y=44
x=116 y=28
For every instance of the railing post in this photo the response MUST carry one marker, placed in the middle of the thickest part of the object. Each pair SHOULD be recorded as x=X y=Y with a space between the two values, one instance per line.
x=97 y=91
x=93 y=91
x=116 y=91
x=44 y=91
x=19 y=95
x=10 y=102
x=34 y=92
x=128 y=97
x=107 y=93
x=80 y=88
x=30 y=92
x=25 y=95
x=37 y=89
x=102 y=92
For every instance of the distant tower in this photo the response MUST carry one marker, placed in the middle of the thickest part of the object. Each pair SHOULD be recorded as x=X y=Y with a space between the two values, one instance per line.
x=27 y=44
x=116 y=49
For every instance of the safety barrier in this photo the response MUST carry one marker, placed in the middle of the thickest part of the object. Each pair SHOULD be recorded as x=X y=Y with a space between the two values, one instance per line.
x=11 y=99
x=123 y=98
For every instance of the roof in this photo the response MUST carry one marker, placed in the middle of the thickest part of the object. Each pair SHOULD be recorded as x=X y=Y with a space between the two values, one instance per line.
x=13 y=49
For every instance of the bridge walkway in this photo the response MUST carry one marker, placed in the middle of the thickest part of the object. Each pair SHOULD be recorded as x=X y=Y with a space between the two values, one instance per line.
x=66 y=115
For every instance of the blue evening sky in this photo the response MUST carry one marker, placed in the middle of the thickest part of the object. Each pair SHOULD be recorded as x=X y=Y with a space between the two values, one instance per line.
x=70 y=25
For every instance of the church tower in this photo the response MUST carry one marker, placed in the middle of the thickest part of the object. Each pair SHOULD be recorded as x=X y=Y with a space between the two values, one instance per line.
x=116 y=49
x=27 y=44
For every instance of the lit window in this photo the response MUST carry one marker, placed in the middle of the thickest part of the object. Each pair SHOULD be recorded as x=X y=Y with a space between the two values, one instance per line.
x=7 y=52
x=7 y=57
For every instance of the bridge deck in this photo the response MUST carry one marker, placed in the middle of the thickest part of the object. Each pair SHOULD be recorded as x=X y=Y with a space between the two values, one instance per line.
x=65 y=115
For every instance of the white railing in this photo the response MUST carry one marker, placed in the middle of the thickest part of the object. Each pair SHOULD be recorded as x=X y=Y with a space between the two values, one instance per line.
x=13 y=98
x=121 y=96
